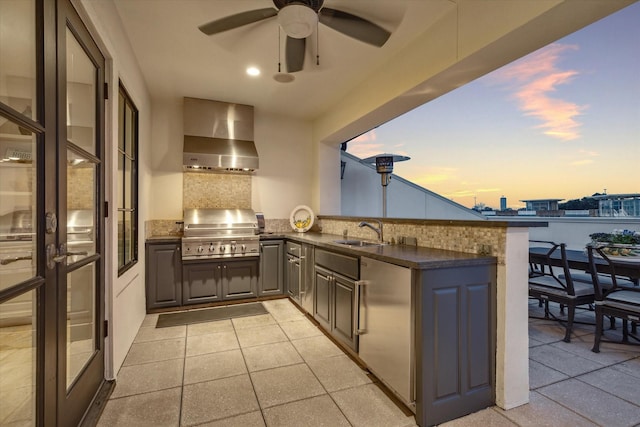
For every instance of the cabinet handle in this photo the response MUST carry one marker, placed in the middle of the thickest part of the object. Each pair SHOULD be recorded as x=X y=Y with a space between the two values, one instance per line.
x=360 y=328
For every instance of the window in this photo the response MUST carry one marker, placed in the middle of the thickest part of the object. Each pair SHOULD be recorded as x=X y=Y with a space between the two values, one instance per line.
x=127 y=182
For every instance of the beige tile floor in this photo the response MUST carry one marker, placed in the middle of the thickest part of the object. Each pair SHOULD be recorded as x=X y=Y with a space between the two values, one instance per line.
x=279 y=369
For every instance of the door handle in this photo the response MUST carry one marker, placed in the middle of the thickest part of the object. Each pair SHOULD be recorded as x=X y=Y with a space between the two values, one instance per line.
x=6 y=261
x=56 y=256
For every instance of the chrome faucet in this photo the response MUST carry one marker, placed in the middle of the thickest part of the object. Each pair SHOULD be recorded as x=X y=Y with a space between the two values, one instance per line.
x=377 y=230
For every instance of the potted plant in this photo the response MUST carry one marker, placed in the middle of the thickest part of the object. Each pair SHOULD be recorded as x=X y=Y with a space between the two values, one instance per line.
x=619 y=243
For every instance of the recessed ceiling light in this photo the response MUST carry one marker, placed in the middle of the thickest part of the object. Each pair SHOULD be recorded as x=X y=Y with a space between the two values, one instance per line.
x=253 y=71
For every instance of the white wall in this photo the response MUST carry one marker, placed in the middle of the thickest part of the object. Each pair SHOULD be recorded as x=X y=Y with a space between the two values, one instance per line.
x=361 y=195
x=284 y=179
x=125 y=295
x=512 y=345
x=165 y=164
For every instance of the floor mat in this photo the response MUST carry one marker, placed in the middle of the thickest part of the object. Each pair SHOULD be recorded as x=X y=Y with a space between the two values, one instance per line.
x=210 y=314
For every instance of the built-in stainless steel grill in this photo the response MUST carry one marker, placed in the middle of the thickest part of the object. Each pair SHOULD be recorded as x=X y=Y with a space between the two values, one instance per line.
x=220 y=233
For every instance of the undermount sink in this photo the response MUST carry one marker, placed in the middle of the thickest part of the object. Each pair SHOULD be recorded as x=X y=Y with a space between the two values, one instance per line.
x=357 y=243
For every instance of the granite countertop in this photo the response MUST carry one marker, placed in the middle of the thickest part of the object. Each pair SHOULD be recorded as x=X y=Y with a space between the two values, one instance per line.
x=403 y=255
x=165 y=238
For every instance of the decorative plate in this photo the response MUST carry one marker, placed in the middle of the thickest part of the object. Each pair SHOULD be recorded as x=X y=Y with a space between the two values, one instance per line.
x=301 y=218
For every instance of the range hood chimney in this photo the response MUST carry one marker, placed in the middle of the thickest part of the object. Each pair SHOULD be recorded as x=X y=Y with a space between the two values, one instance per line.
x=218 y=136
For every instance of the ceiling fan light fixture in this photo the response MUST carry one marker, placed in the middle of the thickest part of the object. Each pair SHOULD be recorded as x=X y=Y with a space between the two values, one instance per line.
x=297 y=20
x=284 y=78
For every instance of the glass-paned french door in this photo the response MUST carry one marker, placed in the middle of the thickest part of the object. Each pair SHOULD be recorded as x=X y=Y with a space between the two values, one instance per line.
x=80 y=174
x=51 y=214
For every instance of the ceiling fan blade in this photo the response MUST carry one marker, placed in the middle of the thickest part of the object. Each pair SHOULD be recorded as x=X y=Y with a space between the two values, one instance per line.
x=294 y=54
x=354 y=26
x=237 y=20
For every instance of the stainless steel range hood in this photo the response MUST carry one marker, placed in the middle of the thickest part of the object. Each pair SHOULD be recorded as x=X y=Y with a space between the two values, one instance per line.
x=218 y=136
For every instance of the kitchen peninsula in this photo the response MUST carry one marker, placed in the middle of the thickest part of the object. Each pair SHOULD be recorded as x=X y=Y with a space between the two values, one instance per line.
x=453 y=308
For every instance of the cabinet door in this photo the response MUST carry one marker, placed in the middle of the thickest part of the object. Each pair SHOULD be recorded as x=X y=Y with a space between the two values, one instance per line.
x=321 y=311
x=343 y=311
x=201 y=282
x=239 y=279
x=293 y=277
x=271 y=281
x=164 y=275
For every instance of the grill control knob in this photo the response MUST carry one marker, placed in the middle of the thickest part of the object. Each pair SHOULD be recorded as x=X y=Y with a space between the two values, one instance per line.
x=243 y=248
x=233 y=248
x=211 y=248
x=221 y=248
x=200 y=249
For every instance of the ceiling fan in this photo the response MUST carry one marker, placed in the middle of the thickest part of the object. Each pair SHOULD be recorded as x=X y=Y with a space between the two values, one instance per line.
x=298 y=18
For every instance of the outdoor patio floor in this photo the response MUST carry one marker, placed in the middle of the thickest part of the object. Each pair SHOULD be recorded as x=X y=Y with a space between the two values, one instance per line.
x=570 y=385
x=280 y=370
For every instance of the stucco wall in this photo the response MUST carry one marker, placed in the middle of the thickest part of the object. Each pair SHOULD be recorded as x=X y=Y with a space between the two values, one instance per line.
x=362 y=196
x=124 y=295
x=283 y=180
x=285 y=177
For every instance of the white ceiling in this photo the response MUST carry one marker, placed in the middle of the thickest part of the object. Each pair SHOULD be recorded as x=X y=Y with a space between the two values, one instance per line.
x=178 y=60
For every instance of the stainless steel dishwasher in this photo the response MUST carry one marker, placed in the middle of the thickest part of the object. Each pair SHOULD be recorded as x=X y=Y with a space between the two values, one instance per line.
x=386 y=326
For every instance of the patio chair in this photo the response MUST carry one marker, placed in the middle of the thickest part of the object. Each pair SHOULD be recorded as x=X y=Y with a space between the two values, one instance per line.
x=614 y=301
x=545 y=285
x=605 y=279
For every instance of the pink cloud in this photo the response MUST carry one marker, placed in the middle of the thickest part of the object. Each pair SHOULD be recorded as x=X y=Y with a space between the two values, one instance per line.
x=365 y=145
x=535 y=78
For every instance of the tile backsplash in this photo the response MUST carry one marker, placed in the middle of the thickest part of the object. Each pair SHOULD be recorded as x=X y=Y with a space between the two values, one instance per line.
x=163 y=227
x=216 y=190
x=476 y=238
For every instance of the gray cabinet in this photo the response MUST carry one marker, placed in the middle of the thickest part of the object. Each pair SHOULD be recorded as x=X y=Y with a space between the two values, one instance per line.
x=322 y=306
x=335 y=300
x=163 y=275
x=205 y=282
x=240 y=279
x=271 y=281
x=201 y=282
x=344 y=307
x=456 y=345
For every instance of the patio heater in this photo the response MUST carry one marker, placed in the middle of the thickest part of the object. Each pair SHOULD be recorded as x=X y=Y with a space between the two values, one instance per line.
x=384 y=166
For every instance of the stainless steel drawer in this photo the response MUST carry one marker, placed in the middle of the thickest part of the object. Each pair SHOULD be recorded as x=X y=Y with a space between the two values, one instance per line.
x=342 y=264
x=294 y=249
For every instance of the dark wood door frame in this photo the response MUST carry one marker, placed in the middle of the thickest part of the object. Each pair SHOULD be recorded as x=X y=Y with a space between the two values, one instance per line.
x=74 y=402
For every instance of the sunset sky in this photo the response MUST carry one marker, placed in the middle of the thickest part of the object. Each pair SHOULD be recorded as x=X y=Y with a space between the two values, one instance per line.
x=562 y=122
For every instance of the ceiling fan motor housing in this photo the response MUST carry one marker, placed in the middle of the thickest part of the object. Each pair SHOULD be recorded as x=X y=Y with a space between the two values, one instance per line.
x=298 y=20
x=313 y=4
